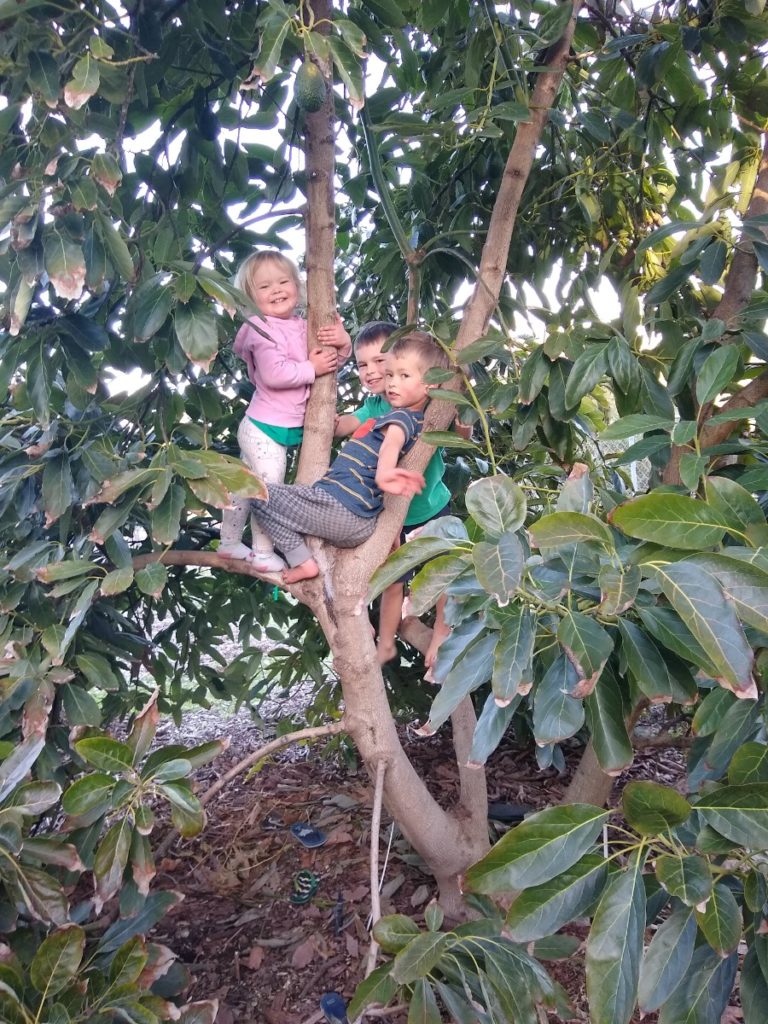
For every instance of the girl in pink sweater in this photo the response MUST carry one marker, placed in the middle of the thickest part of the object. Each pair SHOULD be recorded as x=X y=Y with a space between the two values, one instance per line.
x=281 y=369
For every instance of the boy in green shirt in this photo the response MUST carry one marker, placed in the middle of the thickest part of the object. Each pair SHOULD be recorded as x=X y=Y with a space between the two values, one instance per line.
x=431 y=503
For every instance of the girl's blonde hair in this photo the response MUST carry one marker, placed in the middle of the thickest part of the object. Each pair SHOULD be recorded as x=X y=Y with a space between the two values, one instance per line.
x=246 y=270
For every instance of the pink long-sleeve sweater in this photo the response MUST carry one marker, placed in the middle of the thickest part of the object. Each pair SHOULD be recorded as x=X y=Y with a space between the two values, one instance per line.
x=279 y=369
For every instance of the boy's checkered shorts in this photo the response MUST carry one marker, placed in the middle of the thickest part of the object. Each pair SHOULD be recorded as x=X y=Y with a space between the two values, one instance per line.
x=295 y=509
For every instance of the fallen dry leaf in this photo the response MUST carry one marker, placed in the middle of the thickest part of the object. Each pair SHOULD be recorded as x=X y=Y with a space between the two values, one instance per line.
x=254 y=959
x=339 y=836
x=421 y=895
x=304 y=954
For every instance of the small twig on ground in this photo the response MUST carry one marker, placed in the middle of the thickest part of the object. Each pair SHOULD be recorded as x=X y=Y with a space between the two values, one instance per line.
x=269 y=748
x=373 y=950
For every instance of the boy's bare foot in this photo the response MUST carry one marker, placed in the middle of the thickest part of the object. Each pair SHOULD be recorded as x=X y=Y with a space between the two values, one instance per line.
x=304 y=571
x=385 y=651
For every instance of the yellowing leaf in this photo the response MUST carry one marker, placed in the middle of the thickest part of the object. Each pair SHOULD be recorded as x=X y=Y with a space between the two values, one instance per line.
x=83 y=84
x=65 y=264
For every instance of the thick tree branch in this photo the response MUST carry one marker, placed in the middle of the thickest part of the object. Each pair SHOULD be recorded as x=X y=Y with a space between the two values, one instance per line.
x=739 y=286
x=321 y=242
x=493 y=262
x=305 y=592
x=742 y=275
x=747 y=398
x=490 y=277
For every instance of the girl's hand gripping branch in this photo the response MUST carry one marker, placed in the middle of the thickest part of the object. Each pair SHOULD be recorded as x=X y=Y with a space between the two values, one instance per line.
x=324 y=360
x=335 y=336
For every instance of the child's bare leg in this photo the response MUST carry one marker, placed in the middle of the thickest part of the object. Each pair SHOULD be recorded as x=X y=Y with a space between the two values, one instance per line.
x=306 y=570
x=439 y=632
x=389 y=621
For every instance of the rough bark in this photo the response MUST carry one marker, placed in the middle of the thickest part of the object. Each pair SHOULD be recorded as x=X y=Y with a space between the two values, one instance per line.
x=320 y=226
x=589 y=784
x=742 y=275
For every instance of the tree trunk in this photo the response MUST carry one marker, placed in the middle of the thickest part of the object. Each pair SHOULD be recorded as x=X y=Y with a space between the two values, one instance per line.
x=320 y=223
x=590 y=784
x=449 y=841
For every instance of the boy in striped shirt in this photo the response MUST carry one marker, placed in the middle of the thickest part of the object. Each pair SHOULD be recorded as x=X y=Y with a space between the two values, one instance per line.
x=342 y=507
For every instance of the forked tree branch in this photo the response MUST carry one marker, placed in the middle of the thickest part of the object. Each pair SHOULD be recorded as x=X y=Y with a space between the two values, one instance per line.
x=493 y=266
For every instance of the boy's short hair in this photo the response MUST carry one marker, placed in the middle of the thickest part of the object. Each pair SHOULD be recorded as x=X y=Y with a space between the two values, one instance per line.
x=246 y=270
x=372 y=331
x=423 y=345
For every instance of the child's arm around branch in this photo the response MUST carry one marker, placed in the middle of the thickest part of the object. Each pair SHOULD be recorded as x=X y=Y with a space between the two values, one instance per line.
x=337 y=337
x=345 y=425
x=280 y=371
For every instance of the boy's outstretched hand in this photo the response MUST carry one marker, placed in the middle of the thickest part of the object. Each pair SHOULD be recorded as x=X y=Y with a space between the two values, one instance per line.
x=400 y=481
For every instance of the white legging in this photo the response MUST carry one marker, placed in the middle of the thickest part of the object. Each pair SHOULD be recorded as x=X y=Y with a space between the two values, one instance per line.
x=267 y=459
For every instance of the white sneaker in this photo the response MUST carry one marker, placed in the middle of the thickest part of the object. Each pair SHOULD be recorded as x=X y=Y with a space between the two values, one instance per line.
x=266 y=561
x=237 y=550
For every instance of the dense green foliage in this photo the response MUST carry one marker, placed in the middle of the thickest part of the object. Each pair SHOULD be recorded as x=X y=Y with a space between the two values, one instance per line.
x=144 y=154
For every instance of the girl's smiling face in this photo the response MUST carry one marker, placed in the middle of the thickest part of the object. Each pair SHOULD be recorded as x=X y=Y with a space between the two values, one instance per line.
x=274 y=290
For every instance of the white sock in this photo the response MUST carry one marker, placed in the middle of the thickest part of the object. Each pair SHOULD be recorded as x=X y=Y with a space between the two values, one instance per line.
x=234 y=550
x=266 y=561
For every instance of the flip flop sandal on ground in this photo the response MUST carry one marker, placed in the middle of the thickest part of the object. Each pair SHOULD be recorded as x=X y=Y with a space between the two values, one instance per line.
x=304 y=887
x=334 y=1008
x=308 y=836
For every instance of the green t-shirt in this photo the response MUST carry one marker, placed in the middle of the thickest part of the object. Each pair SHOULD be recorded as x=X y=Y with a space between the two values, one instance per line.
x=435 y=495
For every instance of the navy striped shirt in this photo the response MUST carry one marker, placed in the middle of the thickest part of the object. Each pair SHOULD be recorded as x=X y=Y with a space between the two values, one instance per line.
x=352 y=477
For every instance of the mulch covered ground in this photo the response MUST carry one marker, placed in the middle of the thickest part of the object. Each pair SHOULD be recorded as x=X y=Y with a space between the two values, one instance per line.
x=269 y=962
